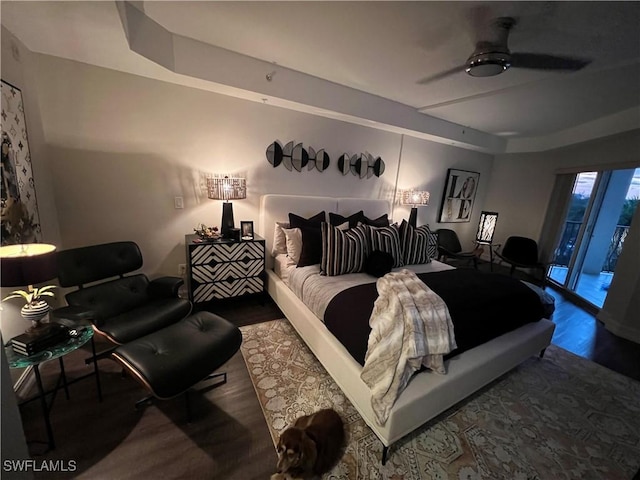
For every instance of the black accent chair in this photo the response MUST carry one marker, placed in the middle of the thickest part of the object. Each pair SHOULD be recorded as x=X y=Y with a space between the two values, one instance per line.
x=522 y=252
x=449 y=247
x=120 y=307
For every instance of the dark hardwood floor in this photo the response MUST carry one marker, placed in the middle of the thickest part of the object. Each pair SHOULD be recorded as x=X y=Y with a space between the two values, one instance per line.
x=579 y=332
x=229 y=438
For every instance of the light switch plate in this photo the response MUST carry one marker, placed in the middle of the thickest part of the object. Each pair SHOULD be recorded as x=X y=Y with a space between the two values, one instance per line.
x=178 y=202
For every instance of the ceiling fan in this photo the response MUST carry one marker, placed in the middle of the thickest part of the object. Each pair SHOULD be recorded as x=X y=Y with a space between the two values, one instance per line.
x=492 y=57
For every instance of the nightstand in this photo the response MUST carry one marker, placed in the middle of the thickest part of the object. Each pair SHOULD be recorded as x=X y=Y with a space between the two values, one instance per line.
x=223 y=269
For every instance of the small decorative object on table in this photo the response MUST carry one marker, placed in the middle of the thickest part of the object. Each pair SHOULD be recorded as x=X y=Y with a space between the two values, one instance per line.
x=246 y=230
x=234 y=234
x=207 y=233
x=35 y=307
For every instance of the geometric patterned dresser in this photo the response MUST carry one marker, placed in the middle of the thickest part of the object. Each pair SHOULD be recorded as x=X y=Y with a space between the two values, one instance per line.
x=225 y=268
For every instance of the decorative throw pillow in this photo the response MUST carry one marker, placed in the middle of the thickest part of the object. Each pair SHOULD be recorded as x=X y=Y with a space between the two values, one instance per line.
x=293 y=242
x=279 y=239
x=343 y=251
x=382 y=221
x=311 y=253
x=378 y=263
x=296 y=221
x=419 y=245
x=387 y=239
x=336 y=220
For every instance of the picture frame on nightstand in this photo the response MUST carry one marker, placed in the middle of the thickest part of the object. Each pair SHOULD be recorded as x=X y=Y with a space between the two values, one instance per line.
x=246 y=230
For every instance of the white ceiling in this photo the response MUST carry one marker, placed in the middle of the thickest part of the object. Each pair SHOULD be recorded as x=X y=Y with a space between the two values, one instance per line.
x=380 y=48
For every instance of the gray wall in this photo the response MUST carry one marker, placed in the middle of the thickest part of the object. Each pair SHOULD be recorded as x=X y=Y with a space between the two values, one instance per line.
x=112 y=150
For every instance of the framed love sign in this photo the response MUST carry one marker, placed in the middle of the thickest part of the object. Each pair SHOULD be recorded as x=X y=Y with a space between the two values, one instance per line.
x=459 y=196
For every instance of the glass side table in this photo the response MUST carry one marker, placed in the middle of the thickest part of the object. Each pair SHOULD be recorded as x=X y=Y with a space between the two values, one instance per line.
x=82 y=336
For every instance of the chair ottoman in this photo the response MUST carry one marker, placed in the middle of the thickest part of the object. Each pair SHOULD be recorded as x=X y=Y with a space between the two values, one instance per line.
x=170 y=361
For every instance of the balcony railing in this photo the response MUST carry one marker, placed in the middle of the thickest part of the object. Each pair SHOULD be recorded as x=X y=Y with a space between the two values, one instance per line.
x=567 y=243
x=615 y=247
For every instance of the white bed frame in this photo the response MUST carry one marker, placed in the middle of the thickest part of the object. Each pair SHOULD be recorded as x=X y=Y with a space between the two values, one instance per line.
x=427 y=395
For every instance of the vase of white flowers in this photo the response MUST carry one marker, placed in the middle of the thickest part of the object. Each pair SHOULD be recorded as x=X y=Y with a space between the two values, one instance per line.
x=35 y=307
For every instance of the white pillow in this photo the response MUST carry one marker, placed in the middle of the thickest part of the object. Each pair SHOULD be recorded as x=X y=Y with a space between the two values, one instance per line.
x=294 y=243
x=279 y=240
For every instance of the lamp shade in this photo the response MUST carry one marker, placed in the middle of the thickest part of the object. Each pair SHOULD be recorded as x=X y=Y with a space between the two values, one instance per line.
x=486 y=227
x=414 y=197
x=27 y=264
x=226 y=188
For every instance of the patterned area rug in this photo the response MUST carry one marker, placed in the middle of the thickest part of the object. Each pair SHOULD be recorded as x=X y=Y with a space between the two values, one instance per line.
x=560 y=417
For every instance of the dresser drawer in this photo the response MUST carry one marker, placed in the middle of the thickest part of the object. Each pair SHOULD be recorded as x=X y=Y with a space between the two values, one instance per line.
x=227 y=289
x=217 y=253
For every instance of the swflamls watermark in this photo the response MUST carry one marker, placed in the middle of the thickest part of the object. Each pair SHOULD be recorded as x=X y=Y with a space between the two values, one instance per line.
x=39 y=465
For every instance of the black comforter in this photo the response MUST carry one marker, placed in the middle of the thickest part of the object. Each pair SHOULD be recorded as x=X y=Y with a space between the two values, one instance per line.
x=482 y=306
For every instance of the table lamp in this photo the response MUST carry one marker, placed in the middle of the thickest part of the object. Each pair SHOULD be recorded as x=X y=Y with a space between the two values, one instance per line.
x=226 y=188
x=415 y=198
x=29 y=264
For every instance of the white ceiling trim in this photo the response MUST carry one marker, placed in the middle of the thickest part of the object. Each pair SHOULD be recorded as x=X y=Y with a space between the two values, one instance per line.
x=603 y=127
x=289 y=88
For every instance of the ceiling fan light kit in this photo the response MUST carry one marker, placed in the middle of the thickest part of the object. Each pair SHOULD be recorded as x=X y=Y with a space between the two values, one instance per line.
x=488 y=64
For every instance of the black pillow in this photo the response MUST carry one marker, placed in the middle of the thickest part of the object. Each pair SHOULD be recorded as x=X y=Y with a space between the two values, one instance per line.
x=311 y=253
x=336 y=219
x=296 y=221
x=311 y=229
x=378 y=263
x=382 y=221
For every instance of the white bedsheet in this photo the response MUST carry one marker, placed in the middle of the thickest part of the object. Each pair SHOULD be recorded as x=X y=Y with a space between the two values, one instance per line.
x=316 y=290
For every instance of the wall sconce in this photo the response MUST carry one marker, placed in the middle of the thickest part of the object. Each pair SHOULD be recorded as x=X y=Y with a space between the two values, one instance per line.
x=226 y=188
x=415 y=198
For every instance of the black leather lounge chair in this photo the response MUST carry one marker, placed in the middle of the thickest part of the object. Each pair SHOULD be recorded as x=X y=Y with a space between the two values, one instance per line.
x=163 y=347
x=120 y=307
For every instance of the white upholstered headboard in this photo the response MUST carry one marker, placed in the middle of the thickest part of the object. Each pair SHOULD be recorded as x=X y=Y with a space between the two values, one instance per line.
x=276 y=208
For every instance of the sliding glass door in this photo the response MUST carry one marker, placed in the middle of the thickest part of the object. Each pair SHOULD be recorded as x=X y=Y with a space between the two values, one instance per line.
x=594 y=231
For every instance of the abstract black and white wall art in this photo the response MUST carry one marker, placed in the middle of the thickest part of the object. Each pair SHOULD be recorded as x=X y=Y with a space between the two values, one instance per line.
x=19 y=208
x=295 y=157
x=362 y=165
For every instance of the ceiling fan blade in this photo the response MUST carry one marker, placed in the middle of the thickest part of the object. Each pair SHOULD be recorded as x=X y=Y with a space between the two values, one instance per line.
x=540 y=61
x=441 y=75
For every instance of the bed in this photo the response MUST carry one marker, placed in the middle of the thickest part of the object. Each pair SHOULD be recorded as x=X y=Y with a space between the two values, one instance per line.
x=427 y=394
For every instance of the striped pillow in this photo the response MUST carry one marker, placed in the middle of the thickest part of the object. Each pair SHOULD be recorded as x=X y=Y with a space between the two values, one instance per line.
x=419 y=245
x=343 y=251
x=387 y=239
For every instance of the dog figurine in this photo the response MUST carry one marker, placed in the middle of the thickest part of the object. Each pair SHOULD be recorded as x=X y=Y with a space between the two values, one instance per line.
x=311 y=447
